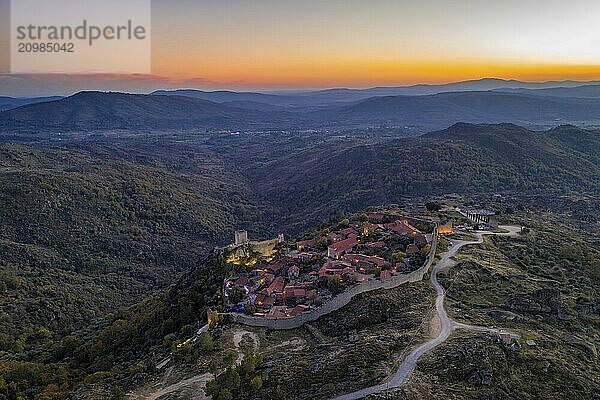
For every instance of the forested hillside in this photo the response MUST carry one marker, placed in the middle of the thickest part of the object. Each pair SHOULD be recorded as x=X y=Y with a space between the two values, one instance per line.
x=81 y=236
x=102 y=223
x=463 y=159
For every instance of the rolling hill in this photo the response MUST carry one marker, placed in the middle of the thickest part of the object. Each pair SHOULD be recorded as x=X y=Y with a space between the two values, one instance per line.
x=584 y=91
x=83 y=235
x=96 y=111
x=93 y=111
x=8 y=103
x=223 y=96
x=465 y=158
x=441 y=110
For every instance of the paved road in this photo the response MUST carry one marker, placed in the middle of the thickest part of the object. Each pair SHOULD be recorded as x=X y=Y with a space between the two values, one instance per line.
x=447 y=324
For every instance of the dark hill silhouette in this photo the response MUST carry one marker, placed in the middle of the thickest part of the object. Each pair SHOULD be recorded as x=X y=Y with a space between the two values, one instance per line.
x=102 y=111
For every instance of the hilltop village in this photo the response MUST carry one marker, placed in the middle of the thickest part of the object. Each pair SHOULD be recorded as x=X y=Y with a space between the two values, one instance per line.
x=273 y=280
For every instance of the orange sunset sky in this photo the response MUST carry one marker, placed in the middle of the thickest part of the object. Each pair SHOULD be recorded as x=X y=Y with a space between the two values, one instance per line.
x=310 y=44
x=314 y=43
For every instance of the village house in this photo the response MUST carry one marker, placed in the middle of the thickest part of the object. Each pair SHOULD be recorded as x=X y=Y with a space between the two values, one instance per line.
x=294 y=292
x=336 y=267
x=335 y=237
x=402 y=227
x=303 y=244
x=336 y=250
x=505 y=338
x=300 y=308
x=276 y=287
x=348 y=232
x=445 y=229
x=379 y=244
x=412 y=249
x=376 y=217
x=385 y=274
x=293 y=272
x=306 y=256
x=278 y=312
x=264 y=301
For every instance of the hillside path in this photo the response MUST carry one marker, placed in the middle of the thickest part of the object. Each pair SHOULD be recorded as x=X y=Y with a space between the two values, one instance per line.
x=447 y=325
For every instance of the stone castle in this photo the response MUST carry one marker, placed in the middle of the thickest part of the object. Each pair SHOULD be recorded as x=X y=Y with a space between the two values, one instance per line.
x=242 y=246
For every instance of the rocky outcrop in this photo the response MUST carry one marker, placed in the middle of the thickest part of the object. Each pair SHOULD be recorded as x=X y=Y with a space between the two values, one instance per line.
x=543 y=301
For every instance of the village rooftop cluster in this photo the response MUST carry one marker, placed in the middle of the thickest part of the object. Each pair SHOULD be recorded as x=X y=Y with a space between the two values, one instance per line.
x=273 y=280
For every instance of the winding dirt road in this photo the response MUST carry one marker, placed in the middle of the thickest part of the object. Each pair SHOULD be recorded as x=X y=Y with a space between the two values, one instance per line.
x=447 y=325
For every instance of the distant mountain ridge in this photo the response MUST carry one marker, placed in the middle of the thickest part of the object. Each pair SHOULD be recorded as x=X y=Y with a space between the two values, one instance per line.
x=8 y=103
x=444 y=109
x=100 y=111
x=341 y=95
x=591 y=91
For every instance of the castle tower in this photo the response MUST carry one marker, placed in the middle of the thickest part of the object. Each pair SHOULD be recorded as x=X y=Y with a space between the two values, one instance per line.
x=241 y=237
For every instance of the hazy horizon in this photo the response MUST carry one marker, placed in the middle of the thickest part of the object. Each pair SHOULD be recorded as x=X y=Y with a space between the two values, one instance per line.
x=15 y=85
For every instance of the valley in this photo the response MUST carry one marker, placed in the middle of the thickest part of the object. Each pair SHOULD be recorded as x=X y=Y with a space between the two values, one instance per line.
x=108 y=232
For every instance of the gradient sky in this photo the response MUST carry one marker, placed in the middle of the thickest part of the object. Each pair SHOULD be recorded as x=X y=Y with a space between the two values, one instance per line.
x=364 y=43
x=288 y=44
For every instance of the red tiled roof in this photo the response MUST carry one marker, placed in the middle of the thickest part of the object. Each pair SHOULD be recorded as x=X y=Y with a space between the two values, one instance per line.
x=347 y=231
x=412 y=249
x=278 y=312
x=276 y=266
x=293 y=291
x=276 y=286
x=402 y=227
x=303 y=243
x=298 y=309
x=375 y=216
x=344 y=245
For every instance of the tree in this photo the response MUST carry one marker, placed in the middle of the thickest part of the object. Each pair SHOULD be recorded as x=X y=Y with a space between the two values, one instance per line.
x=237 y=295
x=206 y=342
x=425 y=249
x=118 y=393
x=212 y=388
x=213 y=318
x=433 y=206
x=334 y=283
x=230 y=358
x=397 y=257
x=256 y=383
x=322 y=243
x=213 y=368
x=231 y=379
